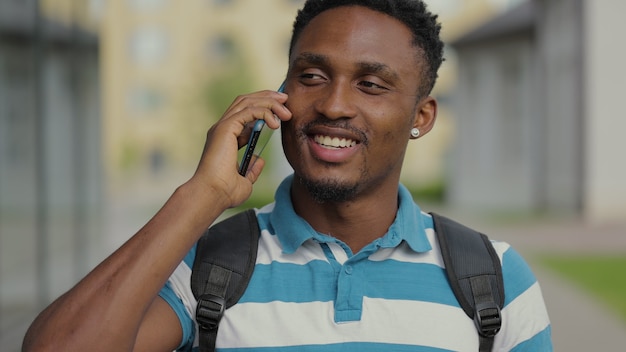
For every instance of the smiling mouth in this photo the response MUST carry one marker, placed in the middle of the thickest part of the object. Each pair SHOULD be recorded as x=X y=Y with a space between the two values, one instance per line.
x=334 y=142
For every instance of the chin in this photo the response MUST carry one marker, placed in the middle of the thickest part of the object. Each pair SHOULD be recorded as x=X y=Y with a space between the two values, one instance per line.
x=329 y=190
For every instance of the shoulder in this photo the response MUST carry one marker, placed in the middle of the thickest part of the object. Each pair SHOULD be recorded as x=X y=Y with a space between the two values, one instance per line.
x=516 y=272
x=525 y=320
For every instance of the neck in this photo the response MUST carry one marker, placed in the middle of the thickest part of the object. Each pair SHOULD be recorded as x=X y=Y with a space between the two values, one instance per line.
x=356 y=222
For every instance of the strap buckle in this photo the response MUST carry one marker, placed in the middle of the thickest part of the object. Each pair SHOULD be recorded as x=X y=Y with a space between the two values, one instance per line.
x=488 y=319
x=209 y=311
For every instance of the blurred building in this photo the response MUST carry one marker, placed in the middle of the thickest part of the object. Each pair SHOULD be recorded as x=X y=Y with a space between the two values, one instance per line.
x=117 y=95
x=170 y=68
x=539 y=111
x=426 y=163
x=50 y=163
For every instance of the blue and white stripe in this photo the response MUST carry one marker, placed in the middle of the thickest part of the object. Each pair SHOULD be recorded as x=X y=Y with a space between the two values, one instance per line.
x=310 y=293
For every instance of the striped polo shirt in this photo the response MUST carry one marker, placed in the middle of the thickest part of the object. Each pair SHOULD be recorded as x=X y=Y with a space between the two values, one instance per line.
x=309 y=292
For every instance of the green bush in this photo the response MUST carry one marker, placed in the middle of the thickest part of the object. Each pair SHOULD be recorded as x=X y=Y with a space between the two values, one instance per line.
x=433 y=192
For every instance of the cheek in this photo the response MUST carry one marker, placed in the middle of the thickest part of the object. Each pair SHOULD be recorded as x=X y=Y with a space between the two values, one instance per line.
x=286 y=133
x=392 y=141
x=290 y=142
x=298 y=101
x=393 y=131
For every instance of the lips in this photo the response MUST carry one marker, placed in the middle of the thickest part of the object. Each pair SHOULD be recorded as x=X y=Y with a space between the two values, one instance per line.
x=333 y=149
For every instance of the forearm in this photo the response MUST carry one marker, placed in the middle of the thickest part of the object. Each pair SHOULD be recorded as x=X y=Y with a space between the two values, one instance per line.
x=106 y=309
x=108 y=305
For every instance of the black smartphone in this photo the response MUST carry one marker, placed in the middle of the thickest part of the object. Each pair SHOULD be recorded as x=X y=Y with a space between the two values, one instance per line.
x=256 y=143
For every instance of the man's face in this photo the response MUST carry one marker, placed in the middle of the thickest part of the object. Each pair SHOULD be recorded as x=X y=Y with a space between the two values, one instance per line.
x=352 y=83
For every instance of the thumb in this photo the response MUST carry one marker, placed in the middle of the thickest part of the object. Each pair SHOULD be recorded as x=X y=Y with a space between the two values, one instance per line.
x=255 y=170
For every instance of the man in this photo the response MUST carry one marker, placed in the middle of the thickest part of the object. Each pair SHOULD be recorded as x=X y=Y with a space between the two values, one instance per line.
x=346 y=260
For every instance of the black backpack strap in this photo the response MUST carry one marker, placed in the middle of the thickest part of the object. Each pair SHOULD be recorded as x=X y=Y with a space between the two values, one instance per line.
x=225 y=258
x=475 y=275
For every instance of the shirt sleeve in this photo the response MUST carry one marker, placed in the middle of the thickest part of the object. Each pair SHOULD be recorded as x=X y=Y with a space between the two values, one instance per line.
x=525 y=321
x=177 y=293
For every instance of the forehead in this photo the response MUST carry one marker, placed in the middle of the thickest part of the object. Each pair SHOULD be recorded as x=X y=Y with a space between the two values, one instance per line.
x=359 y=34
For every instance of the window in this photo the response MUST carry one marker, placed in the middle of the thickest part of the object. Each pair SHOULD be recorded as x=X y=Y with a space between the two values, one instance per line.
x=96 y=8
x=157 y=161
x=146 y=4
x=145 y=99
x=222 y=2
x=148 y=45
x=221 y=48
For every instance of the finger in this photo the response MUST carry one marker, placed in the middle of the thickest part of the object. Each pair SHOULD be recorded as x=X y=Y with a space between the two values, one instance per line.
x=255 y=170
x=243 y=138
x=270 y=103
x=247 y=118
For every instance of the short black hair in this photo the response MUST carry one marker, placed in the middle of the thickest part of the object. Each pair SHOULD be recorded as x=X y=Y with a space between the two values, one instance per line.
x=413 y=13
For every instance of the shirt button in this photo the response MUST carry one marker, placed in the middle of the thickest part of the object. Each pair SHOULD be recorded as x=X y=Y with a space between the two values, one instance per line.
x=348 y=269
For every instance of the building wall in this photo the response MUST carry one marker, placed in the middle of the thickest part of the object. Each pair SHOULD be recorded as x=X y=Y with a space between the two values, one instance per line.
x=154 y=93
x=605 y=123
x=160 y=60
x=561 y=99
x=495 y=165
x=50 y=184
x=50 y=164
x=567 y=143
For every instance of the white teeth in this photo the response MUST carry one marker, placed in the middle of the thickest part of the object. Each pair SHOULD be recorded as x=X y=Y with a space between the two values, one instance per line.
x=334 y=142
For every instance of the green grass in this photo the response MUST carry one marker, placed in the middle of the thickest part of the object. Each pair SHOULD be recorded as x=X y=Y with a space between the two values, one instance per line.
x=602 y=275
x=432 y=192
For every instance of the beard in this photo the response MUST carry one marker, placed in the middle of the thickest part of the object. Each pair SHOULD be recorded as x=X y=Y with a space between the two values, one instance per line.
x=329 y=191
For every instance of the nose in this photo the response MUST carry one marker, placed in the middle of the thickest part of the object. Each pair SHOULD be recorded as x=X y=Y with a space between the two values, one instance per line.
x=336 y=101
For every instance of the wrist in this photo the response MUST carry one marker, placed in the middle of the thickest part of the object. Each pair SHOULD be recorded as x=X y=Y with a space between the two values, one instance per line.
x=204 y=195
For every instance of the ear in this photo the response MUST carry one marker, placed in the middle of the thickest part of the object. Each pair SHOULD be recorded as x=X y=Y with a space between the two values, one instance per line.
x=425 y=115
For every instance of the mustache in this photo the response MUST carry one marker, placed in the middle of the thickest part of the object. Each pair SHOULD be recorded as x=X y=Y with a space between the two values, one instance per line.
x=340 y=124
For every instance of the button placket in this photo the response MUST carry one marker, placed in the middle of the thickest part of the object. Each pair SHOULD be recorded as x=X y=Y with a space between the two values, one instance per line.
x=349 y=300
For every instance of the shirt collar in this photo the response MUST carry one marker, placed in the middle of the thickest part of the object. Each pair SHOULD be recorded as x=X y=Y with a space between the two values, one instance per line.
x=293 y=231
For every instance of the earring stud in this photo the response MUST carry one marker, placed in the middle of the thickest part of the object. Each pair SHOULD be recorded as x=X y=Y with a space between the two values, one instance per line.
x=415 y=132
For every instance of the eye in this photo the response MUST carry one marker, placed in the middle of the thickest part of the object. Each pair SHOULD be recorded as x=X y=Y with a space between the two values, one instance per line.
x=372 y=88
x=311 y=78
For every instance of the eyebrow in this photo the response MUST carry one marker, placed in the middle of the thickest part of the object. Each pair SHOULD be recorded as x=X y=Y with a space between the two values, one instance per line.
x=378 y=68
x=364 y=66
x=311 y=58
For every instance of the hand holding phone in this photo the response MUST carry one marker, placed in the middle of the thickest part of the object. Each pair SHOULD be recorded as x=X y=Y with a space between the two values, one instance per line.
x=257 y=142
